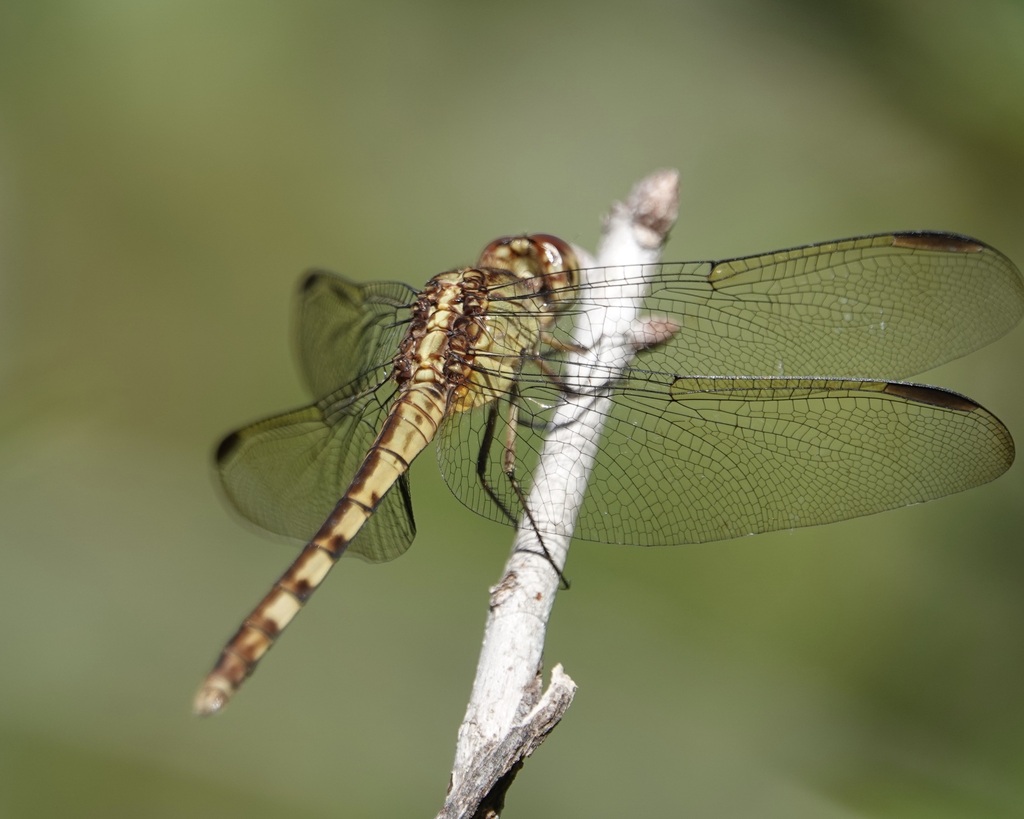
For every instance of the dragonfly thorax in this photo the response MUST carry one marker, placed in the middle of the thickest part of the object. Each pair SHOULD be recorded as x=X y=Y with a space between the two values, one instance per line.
x=471 y=327
x=456 y=347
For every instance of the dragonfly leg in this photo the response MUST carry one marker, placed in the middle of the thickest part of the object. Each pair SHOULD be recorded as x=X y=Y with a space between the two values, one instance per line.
x=483 y=457
x=551 y=374
x=549 y=340
x=509 y=469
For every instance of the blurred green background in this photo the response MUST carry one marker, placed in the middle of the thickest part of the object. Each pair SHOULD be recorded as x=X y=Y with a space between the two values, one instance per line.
x=167 y=170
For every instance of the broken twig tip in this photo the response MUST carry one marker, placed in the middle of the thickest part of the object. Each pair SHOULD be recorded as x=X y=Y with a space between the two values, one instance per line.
x=653 y=205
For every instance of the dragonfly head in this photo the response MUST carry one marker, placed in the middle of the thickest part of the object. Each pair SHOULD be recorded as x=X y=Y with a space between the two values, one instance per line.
x=545 y=264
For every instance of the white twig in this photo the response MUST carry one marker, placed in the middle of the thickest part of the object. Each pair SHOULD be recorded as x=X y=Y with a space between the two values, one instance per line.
x=508 y=717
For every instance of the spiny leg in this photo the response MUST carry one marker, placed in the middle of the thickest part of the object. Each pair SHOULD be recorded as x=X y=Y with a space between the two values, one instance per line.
x=482 y=459
x=552 y=342
x=508 y=469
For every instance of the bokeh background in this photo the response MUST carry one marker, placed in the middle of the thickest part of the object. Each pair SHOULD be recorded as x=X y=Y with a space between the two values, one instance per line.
x=167 y=170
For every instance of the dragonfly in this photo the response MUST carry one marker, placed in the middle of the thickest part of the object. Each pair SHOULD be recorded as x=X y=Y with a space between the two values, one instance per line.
x=772 y=399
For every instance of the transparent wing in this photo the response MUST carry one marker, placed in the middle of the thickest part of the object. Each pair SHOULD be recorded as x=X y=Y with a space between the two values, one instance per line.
x=679 y=439
x=345 y=331
x=286 y=473
x=688 y=455
x=885 y=306
x=687 y=460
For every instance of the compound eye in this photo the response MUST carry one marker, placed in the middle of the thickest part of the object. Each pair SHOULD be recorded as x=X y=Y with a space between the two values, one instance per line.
x=542 y=261
x=558 y=256
x=555 y=251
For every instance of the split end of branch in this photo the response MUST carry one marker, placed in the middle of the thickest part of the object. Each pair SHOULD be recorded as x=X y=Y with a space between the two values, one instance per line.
x=483 y=793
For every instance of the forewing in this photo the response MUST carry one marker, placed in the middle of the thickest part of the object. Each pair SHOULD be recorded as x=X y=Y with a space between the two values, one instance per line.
x=885 y=306
x=286 y=473
x=347 y=332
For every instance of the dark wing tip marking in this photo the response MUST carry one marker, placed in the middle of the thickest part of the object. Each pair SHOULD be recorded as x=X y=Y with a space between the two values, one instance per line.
x=331 y=282
x=309 y=280
x=942 y=242
x=934 y=397
x=226 y=447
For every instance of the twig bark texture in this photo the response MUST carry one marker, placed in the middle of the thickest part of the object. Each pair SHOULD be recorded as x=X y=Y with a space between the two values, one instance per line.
x=509 y=712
